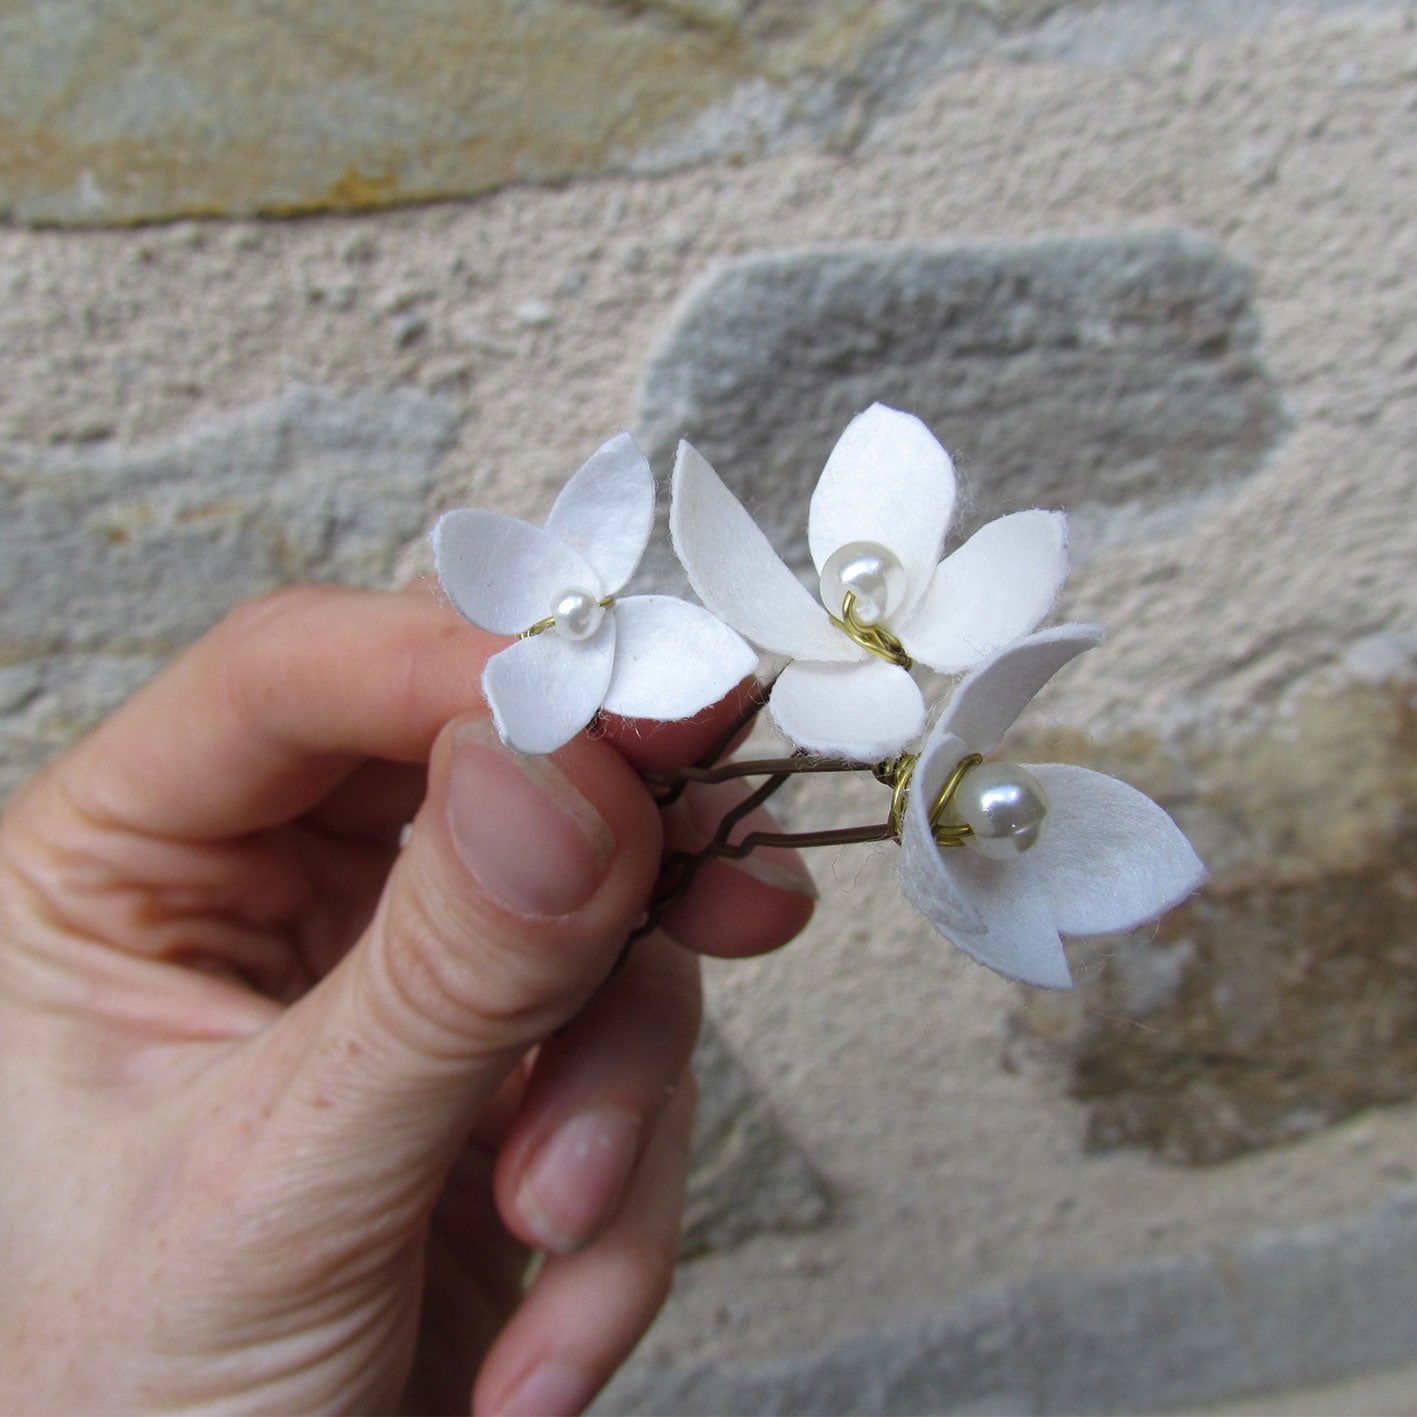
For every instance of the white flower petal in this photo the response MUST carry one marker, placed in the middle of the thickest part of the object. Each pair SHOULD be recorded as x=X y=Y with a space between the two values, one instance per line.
x=544 y=689
x=502 y=573
x=606 y=511
x=1108 y=858
x=887 y=481
x=863 y=712
x=672 y=658
x=1021 y=940
x=994 y=588
x=997 y=916
x=923 y=879
x=738 y=575
x=986 y=702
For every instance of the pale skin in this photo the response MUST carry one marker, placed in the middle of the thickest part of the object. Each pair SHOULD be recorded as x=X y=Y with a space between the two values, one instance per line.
x=288 y=1094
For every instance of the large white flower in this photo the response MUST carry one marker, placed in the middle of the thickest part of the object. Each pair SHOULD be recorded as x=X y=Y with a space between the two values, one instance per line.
x=582 y=647
x=1050 y=848
x=876 y=527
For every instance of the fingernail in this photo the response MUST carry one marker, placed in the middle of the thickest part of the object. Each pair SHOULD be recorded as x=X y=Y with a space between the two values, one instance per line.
x=773 y=866
x=531 y=840
x=552 y=1390
x=578 y=1177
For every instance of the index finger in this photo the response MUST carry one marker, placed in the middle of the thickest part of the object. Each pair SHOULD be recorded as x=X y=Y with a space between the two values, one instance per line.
x=261 y=717
x=265 y=715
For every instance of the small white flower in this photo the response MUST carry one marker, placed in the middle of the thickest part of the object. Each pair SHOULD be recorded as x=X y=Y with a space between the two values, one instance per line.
x=1054 y=847
x=582 y=647
x=876 y=527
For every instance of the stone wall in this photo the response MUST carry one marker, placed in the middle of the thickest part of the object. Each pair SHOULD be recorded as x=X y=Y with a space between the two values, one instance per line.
x=126 y=111
x=1151 y=262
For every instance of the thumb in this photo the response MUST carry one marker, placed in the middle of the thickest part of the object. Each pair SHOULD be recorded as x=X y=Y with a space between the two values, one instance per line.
x=505 y=912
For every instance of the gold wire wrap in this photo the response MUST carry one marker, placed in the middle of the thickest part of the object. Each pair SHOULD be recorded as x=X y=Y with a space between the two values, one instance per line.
x=952 y=835
x=547 y=621
x=875 y=638
x=897 y=774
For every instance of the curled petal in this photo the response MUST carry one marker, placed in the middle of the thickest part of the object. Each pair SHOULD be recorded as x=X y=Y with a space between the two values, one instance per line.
x=606 y=511
x=502 y=573
x=1021 y=940
x=989 y=909
x=939 y=757
x=672 y=658
x=923 y=878
x=993 y=589
x=738 y=575
x=1109 y=858
x=544 y=689
x=986 y=702
x=861 y=712
x=887 y=481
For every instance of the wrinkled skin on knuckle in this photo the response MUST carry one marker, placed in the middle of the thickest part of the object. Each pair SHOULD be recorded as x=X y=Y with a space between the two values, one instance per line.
x=442 y=987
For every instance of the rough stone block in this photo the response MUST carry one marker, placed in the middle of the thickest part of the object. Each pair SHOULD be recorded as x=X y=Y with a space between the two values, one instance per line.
x=1281 y=1309
x=1283 y=997
x=113 y=556
x=118 y=111
x=1117 y=376
x=748 y=1176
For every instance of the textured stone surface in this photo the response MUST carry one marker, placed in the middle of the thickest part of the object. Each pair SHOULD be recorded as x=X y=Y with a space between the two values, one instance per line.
x=748 y=1178
x=129 y=110
x=1283 y=997
x=113 y=555
x=1119 y=376
x=1284 y=1308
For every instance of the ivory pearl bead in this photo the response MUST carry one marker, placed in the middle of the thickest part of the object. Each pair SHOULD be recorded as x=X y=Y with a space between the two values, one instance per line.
x=1003 y=805
x=576 y=613
x=871 y=573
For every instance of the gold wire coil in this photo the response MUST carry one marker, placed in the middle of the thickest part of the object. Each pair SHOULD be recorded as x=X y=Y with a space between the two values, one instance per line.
x=875 y=638
x=547 y=621
x=952 y=835
x=897 y=774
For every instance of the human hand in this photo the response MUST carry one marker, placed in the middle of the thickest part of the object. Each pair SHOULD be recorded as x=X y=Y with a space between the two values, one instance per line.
x=286 y=1104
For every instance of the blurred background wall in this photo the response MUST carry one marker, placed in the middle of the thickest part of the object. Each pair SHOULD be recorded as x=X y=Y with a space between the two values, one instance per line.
x=280 y=281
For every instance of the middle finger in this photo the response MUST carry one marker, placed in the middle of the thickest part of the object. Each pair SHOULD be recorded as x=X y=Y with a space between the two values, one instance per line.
x=595 y=1092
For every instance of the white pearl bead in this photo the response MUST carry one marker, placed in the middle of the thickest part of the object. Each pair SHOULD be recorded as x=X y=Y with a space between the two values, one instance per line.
x=870 y=573
x=576 y=613
x=1004 y=807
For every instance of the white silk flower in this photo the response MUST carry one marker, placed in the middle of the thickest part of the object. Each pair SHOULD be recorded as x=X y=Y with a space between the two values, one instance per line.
x=1052 y=848
x=582 y=647
x=875 y=527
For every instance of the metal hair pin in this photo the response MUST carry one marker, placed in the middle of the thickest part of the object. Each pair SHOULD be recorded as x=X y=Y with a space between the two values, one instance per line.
x=680 y=867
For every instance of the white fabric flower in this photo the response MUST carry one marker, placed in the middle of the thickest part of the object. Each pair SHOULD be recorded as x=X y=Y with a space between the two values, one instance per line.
x=876 y=526
x=582 y=648
x=1098 y=855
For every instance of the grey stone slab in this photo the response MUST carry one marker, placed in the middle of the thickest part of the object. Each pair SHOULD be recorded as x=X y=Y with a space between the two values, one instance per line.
x=1118 y=376
x=1330 y=1301
x=1283 y=1309
x=112 y=556
x=106 y=543
x=116 y=111
x=748 y=1176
